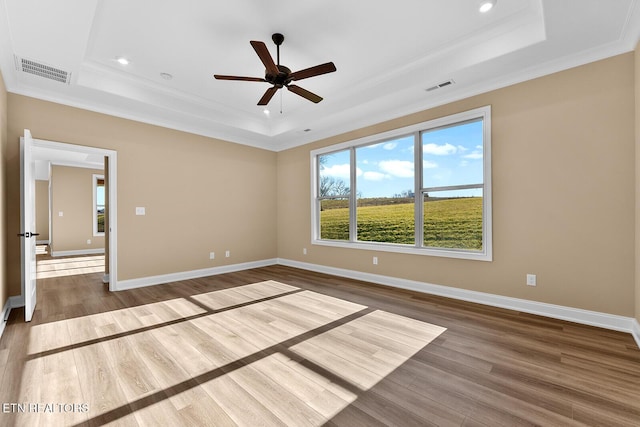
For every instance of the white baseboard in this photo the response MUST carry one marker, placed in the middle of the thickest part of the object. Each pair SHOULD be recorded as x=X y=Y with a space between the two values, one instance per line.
x=186 y=275
x=78 y=252
x=586 y=317
x=5 y=314
x=16 y=301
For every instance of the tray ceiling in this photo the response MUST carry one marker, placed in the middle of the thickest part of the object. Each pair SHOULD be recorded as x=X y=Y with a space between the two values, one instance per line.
x=386 y=57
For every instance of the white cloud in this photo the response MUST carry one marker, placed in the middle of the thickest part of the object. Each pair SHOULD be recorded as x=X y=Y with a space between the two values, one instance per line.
x=439 y=150
x=464 y=163
x=397 y=168
x=336 y=171
x=479 y=147
x=429 y=165
x=374 y=176
x=390 y=145
x=474 y=156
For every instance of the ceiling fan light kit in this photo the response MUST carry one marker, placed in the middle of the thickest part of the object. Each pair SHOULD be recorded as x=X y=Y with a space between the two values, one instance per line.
x=280 y=76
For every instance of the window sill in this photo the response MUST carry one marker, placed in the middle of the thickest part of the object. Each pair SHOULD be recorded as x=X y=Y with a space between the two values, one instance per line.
x=405 y=249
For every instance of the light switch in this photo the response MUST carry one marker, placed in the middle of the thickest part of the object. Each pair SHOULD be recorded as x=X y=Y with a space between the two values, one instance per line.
x=140 y=211
x=60 y=213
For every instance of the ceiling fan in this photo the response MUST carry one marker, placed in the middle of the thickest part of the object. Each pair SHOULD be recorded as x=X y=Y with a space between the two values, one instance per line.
x=279 y=75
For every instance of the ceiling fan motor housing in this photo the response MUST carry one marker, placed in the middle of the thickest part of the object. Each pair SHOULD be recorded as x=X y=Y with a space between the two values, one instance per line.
x=281 y=79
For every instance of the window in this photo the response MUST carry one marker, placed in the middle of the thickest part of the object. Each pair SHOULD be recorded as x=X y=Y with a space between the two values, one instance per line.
x=385 y=208
x=333 y=195
x=98 y=205
x=421 y=189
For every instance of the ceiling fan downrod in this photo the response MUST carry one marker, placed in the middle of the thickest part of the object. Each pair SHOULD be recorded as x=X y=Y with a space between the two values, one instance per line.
x=277 y=39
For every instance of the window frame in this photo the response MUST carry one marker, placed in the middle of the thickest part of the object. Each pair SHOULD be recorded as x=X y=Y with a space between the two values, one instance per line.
x=94 y=208
x=486 y=254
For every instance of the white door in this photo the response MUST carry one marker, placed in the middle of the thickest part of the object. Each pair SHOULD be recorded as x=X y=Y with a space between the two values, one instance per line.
x=28 y=224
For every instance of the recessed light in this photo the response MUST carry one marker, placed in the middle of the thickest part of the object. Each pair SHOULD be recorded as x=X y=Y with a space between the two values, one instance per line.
x=266 y=112
x=122 y=60
x=487 y=5
x=166 y=76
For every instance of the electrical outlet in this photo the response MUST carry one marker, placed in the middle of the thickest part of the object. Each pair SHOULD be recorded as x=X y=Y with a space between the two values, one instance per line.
x=227 y=254
x=88 y=241
x=212 y=255
x=304 y=251
x=531 y=280
x=375 y=260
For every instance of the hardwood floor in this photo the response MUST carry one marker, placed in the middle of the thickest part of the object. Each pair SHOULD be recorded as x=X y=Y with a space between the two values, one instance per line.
x=280 y=346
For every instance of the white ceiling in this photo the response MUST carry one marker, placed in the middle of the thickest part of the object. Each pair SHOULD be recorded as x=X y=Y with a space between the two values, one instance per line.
x=386 y=54
x=45 y=157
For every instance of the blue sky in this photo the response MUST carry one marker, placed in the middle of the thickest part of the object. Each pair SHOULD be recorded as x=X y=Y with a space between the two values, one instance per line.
x=100 y=195
x=451 y=156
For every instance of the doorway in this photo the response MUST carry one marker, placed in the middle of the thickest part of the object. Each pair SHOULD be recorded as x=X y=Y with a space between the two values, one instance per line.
x=72 y=155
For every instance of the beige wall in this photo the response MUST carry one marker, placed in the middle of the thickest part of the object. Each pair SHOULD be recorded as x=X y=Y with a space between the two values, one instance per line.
x=637 y=157
x=72 y=194
x=563 y=194
x=5 y=292
x=42 y=209
x=200 y=194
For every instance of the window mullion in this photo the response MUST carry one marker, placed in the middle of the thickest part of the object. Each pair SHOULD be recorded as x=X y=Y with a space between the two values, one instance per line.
x=419 y=205
x=353 y=221
x=453 y=187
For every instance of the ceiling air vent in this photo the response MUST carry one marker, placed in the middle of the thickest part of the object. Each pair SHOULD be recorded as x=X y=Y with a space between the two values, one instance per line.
x=42 y=70
x=440 y=85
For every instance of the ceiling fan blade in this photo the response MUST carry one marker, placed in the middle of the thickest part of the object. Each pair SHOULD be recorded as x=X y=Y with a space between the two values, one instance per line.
x=268 y=95
x=304 y=93
x=313 y=71
x=244 y=79
x=265 y=57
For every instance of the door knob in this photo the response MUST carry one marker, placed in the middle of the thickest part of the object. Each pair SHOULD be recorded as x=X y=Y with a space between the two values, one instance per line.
x=27 y=234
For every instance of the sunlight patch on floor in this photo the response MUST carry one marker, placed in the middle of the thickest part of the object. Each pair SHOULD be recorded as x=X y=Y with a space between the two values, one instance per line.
x=369 y=348
x=69 y=266
x=298 y=358
x=217 y=300
x=51 y=336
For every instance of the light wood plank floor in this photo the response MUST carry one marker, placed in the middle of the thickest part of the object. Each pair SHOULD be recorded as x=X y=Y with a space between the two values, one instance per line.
x=280 y=346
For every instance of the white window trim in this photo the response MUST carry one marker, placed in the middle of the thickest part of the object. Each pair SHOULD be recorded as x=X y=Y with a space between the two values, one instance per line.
x=96 y=233
x=486 y=254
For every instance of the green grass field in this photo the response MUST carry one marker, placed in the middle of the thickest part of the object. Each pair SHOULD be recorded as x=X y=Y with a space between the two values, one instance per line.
x=448 y=223
x=100 y=223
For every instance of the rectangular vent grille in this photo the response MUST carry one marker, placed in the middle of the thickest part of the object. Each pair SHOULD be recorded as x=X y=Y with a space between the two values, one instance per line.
x=42 y=70
x=440 y=85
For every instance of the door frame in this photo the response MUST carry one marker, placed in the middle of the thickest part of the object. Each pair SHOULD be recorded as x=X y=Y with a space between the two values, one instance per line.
x=113 y=199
